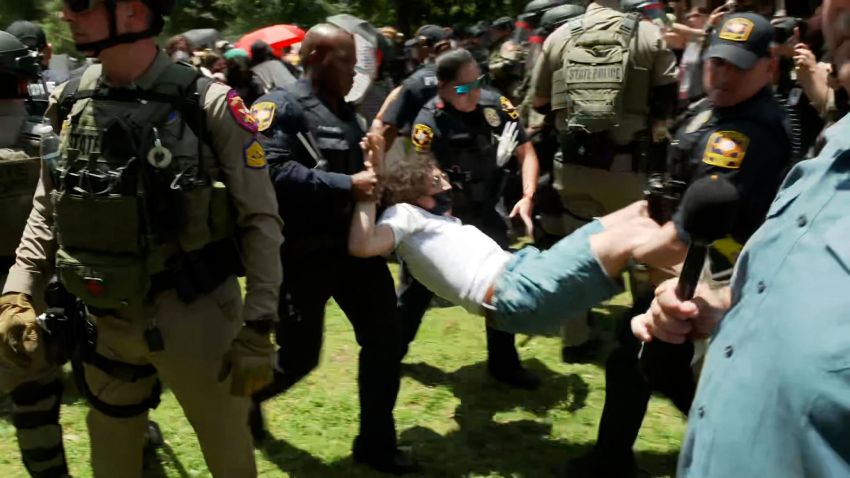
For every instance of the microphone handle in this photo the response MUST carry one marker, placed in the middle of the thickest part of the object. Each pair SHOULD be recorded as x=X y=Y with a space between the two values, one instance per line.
x=691 y=271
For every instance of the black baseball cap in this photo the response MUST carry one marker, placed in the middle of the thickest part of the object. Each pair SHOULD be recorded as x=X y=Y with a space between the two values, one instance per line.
x=29 y=34
x=432 y=34
x=742 y=39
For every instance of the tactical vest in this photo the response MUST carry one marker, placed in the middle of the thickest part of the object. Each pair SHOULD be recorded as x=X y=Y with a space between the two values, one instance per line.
x=593 y=83
x=135 y=190
x=337 y=140
x=467 y=154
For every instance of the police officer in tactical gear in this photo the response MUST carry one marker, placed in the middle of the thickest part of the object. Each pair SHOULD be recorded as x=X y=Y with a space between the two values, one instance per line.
x=610 y=82
x=740 y=132
x=312 y=138
x=32 y=35
x=158 y=198
x=507 y=58
x=540 y=127
x=35 y=403
x=401 y=109
x=461 y=127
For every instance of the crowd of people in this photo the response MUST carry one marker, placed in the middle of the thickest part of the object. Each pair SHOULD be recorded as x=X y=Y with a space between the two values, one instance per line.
x=693 y=150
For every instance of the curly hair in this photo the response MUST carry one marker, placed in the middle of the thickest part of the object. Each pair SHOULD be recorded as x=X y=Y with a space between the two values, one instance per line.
x=407 y=178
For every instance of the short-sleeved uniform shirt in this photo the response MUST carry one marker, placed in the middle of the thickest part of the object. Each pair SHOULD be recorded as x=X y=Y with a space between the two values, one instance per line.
x=416 y=90
x=749 y=144
x=465 y=144
x=441 y=129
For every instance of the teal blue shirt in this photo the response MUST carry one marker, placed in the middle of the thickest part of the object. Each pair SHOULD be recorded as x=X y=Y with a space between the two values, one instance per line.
x=774 y=397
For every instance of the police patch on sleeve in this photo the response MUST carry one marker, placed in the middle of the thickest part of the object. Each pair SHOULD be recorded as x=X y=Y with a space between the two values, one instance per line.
x=240 y=113
x=508 y=107
x=255 y=156
x=726 y=149
x=264 y=114
x=492 y=117
x=422 y=137
x=736 y=29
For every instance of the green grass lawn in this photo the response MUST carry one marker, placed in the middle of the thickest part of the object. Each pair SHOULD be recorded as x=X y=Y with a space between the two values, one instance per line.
x=459 y=421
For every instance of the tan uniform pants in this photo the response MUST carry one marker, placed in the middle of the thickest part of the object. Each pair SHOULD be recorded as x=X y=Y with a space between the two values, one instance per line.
x=588 y=193
x=196 y=337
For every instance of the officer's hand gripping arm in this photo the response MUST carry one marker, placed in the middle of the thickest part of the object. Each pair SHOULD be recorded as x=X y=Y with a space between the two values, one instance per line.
x=19 y=331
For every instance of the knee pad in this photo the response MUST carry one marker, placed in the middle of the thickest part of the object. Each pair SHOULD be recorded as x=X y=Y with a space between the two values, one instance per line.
x=48 y=459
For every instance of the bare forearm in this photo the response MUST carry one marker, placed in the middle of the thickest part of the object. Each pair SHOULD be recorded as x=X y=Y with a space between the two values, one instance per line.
x=362 y=228
x=530 y=167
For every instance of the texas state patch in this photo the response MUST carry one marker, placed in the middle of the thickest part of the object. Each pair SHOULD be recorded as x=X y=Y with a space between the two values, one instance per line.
x=255 y=156
x=422 y=137
x=240 y=112
x=726 y=149
x=263 y=112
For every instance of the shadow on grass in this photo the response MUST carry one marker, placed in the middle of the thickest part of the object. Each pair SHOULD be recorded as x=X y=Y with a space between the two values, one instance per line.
x=484 y=443
x=154 y=463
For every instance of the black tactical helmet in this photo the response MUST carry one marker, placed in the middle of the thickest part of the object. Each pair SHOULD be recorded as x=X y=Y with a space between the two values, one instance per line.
x=555 y=17
x=160 y=7
x=16 y=59
x=534 y=10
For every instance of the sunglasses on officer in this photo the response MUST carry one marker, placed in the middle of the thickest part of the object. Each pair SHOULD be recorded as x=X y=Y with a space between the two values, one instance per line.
x=466 y=88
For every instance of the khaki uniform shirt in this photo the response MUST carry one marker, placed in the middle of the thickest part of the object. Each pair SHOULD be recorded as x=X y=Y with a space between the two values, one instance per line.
x=250 y=190
x=649 y=56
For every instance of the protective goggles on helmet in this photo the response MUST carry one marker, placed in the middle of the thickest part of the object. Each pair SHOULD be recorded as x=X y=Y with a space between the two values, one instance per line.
x=80 y=6
x=468 y=87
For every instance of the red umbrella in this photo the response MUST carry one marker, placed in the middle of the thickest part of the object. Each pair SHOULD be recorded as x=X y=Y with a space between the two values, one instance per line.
x=277 y=36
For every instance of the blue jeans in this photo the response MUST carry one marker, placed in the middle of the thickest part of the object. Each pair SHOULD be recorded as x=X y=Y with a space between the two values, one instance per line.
x=538 y=291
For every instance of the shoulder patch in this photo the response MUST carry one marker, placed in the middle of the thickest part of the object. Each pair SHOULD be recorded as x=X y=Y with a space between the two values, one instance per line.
x=422 y=137
x=240 y=113
x=254 y=154
x=737 y=29
x=492 y=117
x=726 y=149
x=508 y=107
x=264 y=114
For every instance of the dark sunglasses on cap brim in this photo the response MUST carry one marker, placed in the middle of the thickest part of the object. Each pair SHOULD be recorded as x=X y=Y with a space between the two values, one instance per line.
x=79 y=6
x=468 y=87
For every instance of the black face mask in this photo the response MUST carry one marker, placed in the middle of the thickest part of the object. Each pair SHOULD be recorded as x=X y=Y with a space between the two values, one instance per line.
x=442 y=203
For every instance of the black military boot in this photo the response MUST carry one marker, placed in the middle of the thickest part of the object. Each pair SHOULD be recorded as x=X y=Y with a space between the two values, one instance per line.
x=257 y=423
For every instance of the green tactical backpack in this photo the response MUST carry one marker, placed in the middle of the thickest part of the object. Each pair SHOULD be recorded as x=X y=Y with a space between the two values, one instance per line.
x=596 y=65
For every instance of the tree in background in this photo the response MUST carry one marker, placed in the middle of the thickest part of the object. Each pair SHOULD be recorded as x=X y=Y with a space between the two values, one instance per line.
x=236 y=17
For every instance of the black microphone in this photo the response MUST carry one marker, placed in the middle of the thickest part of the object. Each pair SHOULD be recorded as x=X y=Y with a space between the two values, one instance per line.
x=708 y=210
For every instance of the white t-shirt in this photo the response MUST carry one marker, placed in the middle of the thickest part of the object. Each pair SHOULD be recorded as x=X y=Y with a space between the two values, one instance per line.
x=456 y=262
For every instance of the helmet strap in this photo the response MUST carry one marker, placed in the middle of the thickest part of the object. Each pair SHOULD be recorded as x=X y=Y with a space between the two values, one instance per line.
x=96 y=47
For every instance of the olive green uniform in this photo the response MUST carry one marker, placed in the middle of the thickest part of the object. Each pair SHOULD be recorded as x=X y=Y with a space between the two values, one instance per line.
x=196 y=335
x=506 y=64
x=586 y=191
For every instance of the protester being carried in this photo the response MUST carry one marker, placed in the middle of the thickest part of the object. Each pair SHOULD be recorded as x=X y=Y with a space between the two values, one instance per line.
x=528 y=291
